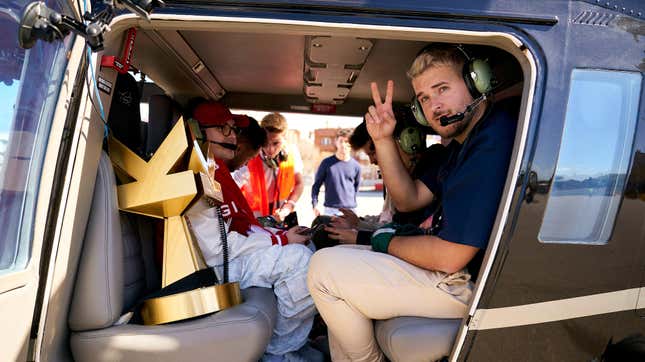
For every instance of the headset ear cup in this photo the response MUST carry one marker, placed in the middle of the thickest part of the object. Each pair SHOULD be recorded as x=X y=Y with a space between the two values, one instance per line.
x=482 y=75
x=478 y=77
x=468 y=79
x=282 y=156
x=417 y=112
x=410 y=140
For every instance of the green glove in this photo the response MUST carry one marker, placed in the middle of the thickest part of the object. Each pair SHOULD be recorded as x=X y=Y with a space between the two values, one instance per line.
x=382 y=237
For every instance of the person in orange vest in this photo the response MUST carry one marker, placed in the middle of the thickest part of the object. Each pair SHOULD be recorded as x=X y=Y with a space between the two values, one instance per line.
x=275 y=175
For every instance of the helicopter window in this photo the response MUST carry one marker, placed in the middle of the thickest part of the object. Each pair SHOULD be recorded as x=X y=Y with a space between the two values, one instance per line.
x=29 y=83
x=594 y=157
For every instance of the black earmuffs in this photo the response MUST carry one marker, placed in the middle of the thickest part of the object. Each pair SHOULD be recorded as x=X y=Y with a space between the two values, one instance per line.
x=477 y=75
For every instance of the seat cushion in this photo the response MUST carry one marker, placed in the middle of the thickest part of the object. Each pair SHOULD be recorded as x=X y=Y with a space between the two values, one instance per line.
x=240 y=333
x=416 y=339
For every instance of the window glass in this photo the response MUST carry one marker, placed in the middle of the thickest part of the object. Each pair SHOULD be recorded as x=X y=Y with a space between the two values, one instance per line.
x=595 y=154
x=29 y=85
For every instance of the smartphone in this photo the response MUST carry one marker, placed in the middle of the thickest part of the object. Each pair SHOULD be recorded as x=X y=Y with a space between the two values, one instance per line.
x=291 y=220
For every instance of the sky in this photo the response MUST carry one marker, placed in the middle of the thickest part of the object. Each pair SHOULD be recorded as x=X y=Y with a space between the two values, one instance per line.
x=7 y=100
x=600 y=122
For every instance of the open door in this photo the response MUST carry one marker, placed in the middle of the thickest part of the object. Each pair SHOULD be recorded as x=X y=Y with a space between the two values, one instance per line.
x=35 y=89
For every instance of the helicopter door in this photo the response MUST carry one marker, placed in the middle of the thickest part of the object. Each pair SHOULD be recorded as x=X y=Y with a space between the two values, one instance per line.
x=33 y=94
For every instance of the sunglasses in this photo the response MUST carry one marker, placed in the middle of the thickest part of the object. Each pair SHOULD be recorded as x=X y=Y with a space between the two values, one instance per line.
x=227 y=129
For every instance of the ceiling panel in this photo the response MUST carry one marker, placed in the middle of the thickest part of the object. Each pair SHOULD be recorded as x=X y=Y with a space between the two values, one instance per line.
x=252 y=63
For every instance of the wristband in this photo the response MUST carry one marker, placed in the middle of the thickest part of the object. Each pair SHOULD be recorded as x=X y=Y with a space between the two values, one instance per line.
x=381 y=238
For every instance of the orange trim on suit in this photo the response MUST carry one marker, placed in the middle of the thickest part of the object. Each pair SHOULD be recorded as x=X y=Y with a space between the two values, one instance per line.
x=256 y=192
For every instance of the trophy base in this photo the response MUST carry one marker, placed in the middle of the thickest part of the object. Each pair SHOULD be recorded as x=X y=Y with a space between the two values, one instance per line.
x=190 y=304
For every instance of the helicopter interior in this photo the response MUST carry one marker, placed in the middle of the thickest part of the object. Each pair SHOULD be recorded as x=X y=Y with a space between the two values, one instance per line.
x=261 y=65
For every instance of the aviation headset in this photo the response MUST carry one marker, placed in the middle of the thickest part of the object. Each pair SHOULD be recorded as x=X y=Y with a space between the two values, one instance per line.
x=275 y=161
x=409 y=135
x=477 y=75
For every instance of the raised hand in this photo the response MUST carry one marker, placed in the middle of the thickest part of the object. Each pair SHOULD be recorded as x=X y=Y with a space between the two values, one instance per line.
x=348 y=220
x=379 y=118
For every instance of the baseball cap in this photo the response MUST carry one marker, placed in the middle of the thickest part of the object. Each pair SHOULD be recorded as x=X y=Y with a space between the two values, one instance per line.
x=212 y=113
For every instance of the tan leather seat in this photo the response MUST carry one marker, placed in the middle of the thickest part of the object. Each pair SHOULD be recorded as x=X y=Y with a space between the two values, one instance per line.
x=112 y=277
x=413 y=339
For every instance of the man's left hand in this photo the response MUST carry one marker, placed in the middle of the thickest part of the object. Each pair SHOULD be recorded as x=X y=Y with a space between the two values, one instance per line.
x=344 y=236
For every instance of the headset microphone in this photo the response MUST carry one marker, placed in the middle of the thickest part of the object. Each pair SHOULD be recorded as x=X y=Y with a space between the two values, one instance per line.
x=446 y=120
x=228 y=146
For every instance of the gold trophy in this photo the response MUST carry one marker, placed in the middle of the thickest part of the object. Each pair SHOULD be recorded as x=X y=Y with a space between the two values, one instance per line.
x=165 y=187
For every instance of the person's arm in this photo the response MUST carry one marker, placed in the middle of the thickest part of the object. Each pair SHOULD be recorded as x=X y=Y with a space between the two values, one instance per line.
x=298 y=188
x=290 y=203
x=318 y=180
x=406 y=194
x=298 y=168
x=357 y=179
x=432 y=252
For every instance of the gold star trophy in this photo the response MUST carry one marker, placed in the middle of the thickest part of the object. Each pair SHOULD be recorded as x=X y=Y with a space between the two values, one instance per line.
x=165 y=187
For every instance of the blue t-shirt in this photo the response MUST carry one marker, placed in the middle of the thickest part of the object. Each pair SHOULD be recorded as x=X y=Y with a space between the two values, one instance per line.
x=469 y=184
x=341 y=179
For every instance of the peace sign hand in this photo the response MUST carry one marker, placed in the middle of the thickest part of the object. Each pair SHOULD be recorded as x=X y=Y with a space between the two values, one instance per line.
x=379 y=118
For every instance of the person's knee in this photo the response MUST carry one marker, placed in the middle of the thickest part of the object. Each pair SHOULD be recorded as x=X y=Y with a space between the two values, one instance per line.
x=322 y=267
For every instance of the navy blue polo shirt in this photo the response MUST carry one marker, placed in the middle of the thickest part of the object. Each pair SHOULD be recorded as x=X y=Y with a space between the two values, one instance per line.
x=469 y=184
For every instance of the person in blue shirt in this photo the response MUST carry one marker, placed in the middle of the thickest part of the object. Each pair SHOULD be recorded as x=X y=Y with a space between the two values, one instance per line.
x=341 y=175
x=410 y=271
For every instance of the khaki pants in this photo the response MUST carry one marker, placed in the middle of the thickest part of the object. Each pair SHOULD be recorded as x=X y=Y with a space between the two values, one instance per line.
x=352 y=285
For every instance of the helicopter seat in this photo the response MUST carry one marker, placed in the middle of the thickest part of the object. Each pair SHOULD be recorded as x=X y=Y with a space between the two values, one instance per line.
x=117 y=270
x=416 y=338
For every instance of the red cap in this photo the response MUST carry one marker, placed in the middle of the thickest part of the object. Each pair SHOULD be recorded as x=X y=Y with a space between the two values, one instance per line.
x=212 y=113
x=241 y=120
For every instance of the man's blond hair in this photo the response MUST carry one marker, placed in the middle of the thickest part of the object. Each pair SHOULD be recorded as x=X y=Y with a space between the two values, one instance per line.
x=436 y=54
x=274 y=123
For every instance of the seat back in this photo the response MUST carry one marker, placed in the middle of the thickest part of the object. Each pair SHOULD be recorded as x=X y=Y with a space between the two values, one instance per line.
x=117 y=263
x=98 y=293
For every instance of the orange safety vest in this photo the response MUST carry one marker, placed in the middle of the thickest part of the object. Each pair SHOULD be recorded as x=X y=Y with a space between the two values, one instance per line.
x=256 y=192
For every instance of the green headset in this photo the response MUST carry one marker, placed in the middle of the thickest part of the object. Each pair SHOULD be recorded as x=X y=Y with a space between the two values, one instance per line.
x=409 y=136
x=477 y=75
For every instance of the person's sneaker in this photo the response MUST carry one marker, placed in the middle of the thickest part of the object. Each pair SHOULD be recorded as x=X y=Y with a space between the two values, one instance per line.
x=306 y=353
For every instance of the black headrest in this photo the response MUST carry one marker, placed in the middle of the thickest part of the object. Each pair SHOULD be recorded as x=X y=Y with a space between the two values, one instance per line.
x=163 y=113
x=125 y=116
